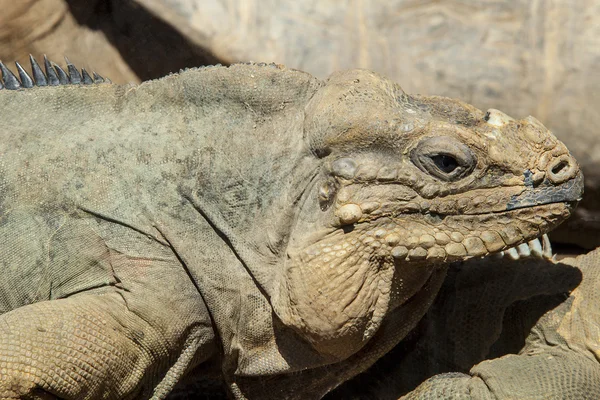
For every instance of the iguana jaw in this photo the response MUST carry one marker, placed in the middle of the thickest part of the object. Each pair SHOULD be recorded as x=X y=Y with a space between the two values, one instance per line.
x=341 y=281
x=338 y=289
x=435 y=238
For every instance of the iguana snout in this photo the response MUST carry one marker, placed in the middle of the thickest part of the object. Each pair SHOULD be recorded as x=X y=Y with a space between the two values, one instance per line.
x=408 y=183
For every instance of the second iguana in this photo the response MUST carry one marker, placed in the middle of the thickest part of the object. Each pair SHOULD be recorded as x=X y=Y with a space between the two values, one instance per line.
x=286 y=230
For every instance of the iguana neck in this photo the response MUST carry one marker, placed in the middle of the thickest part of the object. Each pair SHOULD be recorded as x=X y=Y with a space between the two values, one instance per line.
x=253 y=164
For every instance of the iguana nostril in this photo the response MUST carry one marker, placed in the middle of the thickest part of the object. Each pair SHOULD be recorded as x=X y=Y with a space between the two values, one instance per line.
x=562 y=169
x=559 y=167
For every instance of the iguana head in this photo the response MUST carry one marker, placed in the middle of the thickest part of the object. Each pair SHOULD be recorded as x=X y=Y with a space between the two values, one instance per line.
x=406 y=184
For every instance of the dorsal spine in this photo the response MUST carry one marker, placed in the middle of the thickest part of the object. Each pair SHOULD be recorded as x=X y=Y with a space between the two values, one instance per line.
x=54 y=75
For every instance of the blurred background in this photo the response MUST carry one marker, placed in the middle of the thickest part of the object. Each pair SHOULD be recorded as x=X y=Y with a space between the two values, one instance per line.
x=524 y=57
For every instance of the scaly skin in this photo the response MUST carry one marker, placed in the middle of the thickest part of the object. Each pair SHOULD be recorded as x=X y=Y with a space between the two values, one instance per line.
x=290 y=230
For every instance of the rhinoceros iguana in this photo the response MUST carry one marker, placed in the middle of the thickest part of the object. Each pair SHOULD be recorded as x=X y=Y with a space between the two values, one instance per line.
x=287 y=230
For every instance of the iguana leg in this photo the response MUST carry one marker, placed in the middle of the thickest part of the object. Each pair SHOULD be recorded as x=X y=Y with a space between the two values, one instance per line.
x=557 y=374
x=92 y=346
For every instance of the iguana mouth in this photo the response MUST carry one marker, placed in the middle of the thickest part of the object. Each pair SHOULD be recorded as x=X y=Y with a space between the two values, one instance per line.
x=354 y=274
x=365 y=215
x=452 y=237
x=570 y=204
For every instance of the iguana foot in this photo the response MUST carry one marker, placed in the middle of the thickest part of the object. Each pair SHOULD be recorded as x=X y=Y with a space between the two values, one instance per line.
x=558 y=374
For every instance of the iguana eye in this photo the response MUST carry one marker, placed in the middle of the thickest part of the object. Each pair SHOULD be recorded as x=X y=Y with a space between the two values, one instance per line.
x=443 y=157
x=445 y=163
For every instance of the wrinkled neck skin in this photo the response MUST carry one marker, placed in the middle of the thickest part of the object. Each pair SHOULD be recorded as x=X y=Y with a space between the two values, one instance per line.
x=338 y=285
x=332 y=288
x=254 y=164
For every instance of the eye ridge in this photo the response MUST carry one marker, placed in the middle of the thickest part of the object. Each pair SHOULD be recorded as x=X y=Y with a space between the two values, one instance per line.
x=445 y=163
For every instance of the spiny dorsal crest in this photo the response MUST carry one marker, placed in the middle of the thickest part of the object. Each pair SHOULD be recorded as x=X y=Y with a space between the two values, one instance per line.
x=53 y=76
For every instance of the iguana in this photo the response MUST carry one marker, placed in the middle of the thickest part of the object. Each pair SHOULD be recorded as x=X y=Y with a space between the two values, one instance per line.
x=284 y=230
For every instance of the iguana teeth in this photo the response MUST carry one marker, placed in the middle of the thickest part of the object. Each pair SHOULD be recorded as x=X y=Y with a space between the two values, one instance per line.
x=523 y=250
x=547 y=247
x=535 y=248
x=512 y=253
x=10 y=80
x=26 y=80
x=38 y=76
x=427 y=246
